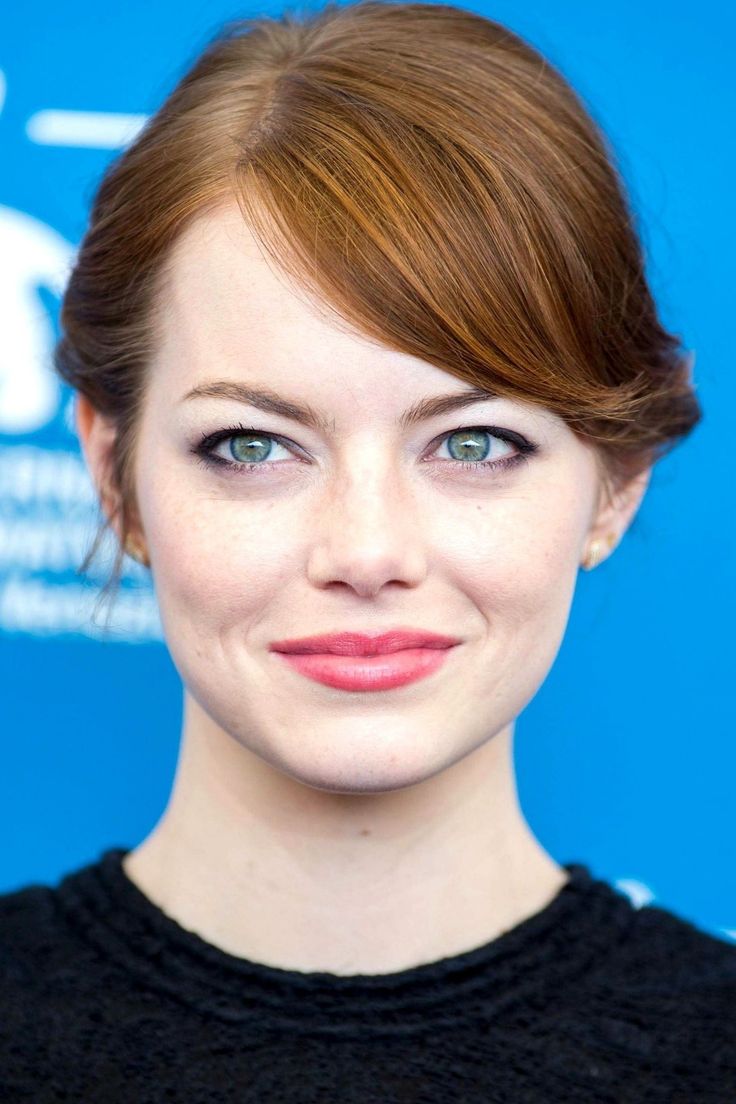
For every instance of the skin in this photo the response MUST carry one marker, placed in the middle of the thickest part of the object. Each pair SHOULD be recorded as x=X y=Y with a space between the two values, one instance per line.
x=312 y=828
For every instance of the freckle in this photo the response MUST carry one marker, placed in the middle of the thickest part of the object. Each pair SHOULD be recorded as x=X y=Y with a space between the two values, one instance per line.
x=365 y=831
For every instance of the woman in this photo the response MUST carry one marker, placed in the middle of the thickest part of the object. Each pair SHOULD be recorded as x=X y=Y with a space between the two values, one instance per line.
x=367 y=368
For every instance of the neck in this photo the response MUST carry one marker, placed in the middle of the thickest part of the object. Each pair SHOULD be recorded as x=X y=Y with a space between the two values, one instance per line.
x=275 y=871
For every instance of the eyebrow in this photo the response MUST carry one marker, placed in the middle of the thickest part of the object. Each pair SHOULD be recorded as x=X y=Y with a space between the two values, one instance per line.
x=267 y=400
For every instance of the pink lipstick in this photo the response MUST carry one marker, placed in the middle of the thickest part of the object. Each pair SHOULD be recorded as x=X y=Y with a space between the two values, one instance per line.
x=364 y=661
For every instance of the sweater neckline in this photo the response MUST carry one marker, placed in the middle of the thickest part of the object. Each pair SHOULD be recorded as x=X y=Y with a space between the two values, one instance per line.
x=532 y=961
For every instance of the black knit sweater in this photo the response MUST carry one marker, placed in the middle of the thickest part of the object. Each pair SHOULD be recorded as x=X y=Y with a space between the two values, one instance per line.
x=105 y=998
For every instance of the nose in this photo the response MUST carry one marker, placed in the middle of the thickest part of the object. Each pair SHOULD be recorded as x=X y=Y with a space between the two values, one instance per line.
x=366 y=529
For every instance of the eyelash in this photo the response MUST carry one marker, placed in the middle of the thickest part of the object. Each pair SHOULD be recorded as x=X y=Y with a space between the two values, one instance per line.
x=204 y=449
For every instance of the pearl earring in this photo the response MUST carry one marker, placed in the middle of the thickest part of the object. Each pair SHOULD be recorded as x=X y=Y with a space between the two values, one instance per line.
x=593 y=556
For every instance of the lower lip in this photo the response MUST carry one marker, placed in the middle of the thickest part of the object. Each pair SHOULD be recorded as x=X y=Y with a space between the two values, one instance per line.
x=381 y=672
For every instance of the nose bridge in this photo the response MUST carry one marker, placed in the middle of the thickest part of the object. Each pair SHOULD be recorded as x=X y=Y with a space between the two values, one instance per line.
x=369 y=495
x=367 y=531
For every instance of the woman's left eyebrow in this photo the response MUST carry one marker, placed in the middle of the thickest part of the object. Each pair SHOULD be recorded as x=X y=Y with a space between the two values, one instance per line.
x=264 y=399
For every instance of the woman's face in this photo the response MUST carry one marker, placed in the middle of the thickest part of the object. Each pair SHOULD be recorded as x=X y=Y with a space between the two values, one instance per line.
x=359 y=523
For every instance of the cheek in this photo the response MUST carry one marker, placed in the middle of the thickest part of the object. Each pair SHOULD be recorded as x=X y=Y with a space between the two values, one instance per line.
x=519 y=563
x=215 y=559
x=520 y=581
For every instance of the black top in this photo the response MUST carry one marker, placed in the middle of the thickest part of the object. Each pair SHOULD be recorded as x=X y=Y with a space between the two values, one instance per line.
x=105 y=998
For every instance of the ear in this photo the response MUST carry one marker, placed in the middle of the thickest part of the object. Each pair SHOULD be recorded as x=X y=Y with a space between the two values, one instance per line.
x=615 y=510
x=97 y=434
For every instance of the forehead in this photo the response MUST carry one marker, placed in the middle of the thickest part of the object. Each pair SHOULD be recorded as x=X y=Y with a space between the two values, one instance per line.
x=230 y=314
x=219 y=278
x=227 y=310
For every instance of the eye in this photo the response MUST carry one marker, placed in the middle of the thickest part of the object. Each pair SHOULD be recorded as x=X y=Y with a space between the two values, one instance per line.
x=246 y=449
x=471 y=447
x=249 y=450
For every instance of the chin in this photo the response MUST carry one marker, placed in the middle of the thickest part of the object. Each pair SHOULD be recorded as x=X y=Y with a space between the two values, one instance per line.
x=360 y=773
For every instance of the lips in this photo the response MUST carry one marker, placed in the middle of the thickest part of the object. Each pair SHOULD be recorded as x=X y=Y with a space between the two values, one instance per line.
x=377 y=672
x=364 y=644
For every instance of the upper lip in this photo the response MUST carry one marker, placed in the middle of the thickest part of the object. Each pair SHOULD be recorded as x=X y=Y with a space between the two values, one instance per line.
x=365 y=644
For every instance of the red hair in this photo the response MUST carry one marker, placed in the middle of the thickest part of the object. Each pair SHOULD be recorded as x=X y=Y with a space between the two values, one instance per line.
x=431 y=176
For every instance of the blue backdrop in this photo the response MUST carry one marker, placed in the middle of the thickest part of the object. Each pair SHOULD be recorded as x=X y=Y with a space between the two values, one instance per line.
x=626 y=757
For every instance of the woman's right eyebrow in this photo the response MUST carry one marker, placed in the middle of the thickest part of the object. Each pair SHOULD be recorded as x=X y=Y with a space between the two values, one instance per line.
x=265 y=399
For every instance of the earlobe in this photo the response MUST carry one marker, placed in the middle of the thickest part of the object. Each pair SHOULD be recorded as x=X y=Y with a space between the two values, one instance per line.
x=614 y=519
x=597 y=550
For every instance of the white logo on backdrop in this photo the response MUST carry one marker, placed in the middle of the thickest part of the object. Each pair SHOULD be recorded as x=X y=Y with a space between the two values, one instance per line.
x=48 y=508
x=638 y=892
x=34 y=256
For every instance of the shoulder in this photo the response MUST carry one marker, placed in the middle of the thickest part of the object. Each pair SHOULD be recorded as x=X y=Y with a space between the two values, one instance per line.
x=29 y=933
x=31 y=956
x=663 y=999
x=47 y=958
x=52 y=987
x=665 y=952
